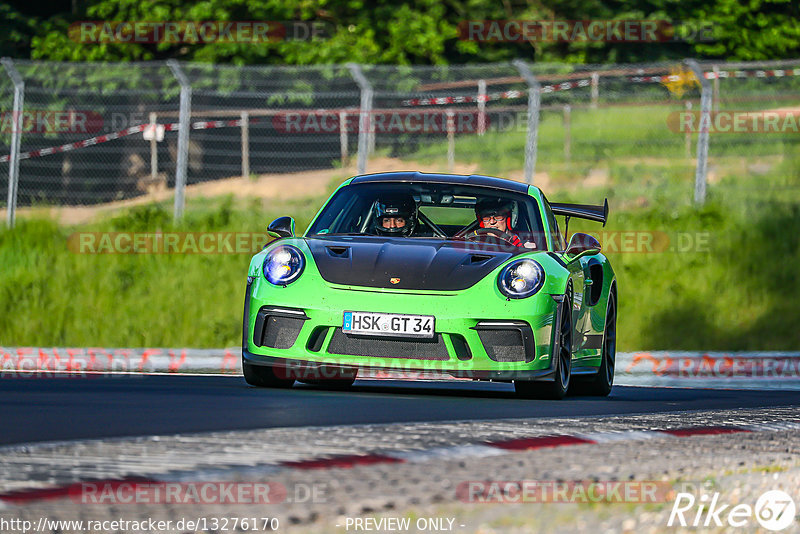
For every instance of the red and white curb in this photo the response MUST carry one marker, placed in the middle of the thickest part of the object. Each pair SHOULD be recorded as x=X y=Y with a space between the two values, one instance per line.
x=454 y=452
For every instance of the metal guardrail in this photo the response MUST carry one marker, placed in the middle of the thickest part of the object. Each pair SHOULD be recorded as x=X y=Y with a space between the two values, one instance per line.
x=743 y=370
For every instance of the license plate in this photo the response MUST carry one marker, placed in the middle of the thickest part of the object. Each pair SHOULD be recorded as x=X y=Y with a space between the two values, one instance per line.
x=388 y=324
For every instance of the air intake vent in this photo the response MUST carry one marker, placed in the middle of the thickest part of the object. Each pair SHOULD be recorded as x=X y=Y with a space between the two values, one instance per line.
x=280 y=332
x=339 y=252
x=277 y=328
x=479 y=258
x=507 y=341
x=503 y=345
x=345 y=344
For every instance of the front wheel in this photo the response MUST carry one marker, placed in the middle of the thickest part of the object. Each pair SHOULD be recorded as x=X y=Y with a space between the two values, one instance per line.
x=562 y=364
x=264 y=376
x=602 y=382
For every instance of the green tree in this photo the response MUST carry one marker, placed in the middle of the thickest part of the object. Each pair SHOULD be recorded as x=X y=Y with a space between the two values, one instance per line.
x=411 y=31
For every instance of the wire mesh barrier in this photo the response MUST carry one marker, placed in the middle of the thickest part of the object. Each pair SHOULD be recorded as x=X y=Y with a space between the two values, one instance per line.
x=91 y=133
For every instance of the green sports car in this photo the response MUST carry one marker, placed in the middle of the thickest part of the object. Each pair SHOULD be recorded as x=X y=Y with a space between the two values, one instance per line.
x=467 y=276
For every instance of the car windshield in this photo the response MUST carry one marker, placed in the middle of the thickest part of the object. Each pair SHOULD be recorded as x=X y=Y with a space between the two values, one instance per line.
x=426 y=210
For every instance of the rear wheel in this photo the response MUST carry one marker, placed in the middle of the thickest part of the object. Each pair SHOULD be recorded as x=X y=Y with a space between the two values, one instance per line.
x=562 y=364
x=264 y=376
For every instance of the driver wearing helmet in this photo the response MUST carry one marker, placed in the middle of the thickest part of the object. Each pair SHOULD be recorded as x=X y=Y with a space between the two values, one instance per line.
x=395 y=216
x=496 y=214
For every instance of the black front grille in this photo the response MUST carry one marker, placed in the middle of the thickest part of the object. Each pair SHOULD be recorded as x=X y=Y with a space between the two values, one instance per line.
x=280 y=332
x=422 y=349
x=503 y=345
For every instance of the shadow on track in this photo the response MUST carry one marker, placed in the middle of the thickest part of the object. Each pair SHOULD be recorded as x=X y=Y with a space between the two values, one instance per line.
x=47 y=409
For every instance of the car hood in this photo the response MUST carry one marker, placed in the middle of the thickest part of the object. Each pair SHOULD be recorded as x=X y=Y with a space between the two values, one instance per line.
x=423 y=264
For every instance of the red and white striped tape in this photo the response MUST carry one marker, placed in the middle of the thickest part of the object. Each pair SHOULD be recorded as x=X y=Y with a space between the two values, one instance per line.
x=566 y=86
x=443 y=100
x=79 y=144
x=170 y=127
x=776 y=73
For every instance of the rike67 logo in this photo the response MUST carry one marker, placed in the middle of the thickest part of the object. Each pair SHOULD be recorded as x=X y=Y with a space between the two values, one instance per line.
x=774 y=510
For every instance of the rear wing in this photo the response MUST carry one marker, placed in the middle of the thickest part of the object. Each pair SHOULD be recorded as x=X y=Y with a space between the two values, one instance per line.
x=582 y=211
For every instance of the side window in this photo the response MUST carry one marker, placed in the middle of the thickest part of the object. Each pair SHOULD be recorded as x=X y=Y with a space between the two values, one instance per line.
x=558 y=239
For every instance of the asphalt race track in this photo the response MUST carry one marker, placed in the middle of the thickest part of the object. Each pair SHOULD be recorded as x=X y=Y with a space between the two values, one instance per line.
x=47 y=409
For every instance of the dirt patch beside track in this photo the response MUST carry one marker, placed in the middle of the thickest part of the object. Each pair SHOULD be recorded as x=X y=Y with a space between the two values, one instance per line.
x=265 y=186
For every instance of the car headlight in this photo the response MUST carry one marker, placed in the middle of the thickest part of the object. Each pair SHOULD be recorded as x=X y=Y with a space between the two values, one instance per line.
x=520 y=279
x=283 y=265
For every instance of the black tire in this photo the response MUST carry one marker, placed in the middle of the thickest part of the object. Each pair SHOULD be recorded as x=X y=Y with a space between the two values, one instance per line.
x=557 y=388
x=333 y=377
x=264 y=376
x=601 y=384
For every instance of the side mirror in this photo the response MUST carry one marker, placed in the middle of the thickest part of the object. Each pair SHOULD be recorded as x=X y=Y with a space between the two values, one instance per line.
x=281 y=227
x=582 y=245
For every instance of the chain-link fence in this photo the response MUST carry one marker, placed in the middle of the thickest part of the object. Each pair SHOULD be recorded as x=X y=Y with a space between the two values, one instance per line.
x=98 y=133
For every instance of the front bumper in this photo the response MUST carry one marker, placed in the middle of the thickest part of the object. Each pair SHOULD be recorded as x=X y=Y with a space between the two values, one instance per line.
x=300 y=369
x=479 y=334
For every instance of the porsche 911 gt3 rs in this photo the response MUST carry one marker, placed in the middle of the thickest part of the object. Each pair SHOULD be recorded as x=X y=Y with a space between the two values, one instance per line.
x=464 y=275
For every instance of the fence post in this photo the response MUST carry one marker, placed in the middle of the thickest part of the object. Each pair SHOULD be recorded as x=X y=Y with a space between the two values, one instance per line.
x=595 y=89
x=451 y=140
x=706 y=101
x=716 y=87
x=688 y=134
x=567 y=133
x=183 y=136
x=153 y=147
x=481 y=107
x=245 y=144
x=534 y=103
x=343 y=138
x=16 y=139
x=364 y=115
x=371 y=128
